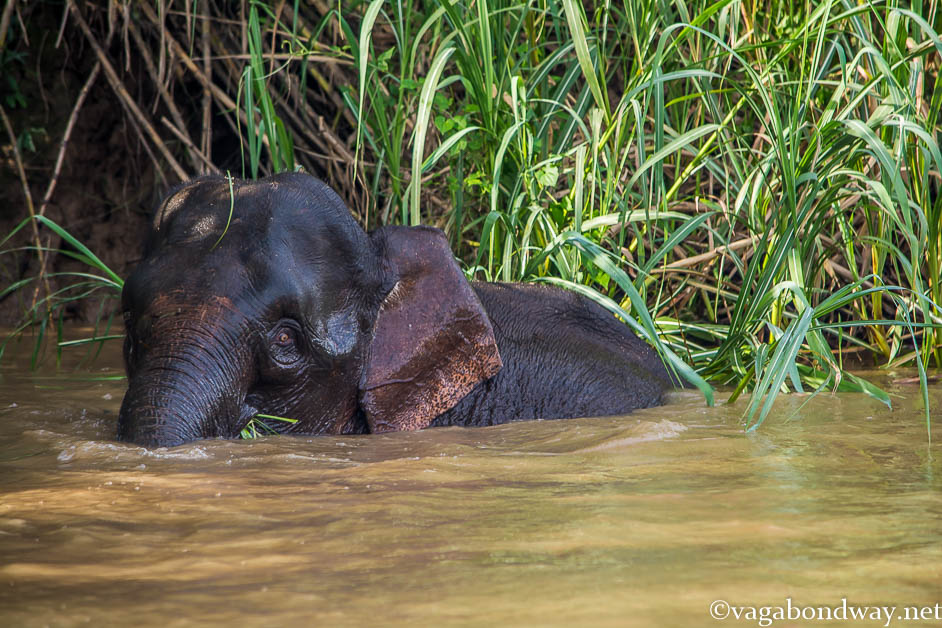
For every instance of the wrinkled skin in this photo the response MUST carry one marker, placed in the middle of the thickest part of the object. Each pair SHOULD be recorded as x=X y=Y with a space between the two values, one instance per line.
x=269 y=298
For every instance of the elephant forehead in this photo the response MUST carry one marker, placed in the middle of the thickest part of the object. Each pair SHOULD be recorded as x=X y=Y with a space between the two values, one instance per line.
x=192 y=201
x=261 y=239
x=205 y=226
x=248 y=273
x=209 y=227
x=245 y=217
x=208 y=309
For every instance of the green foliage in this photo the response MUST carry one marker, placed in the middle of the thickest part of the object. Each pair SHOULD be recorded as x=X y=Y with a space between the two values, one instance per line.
x=263 y=126
x=48 y=307
x=758 y=193
x=10 y=90
x=754 y=188
x=260 y=425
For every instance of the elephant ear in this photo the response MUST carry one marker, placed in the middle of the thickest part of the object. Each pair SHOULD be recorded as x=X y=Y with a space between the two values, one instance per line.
x=432 y=341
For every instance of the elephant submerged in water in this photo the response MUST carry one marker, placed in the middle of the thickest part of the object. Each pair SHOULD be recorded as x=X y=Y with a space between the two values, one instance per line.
x=267 y=298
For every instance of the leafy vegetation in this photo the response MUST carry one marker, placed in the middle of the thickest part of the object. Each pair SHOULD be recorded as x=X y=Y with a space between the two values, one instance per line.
x=752 y=187
x=98 y=280
x=258 y=426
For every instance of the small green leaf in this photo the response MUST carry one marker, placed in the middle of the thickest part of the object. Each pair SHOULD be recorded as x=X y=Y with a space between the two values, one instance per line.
x=548 y=175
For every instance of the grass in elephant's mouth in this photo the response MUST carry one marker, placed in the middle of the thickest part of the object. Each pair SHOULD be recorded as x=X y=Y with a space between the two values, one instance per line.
x=257 y=426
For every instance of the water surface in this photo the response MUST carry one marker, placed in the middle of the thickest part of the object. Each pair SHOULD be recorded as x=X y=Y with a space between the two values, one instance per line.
x=641 y=520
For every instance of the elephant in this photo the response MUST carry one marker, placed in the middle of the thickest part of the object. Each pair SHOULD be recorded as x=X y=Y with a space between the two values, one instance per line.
x=267 y=298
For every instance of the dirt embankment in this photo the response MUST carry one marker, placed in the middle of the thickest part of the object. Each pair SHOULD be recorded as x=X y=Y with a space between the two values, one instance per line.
x=102 y=197
x=110 y=178
x=107 y=183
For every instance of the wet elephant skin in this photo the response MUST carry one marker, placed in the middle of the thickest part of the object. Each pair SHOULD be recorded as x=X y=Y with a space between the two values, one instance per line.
x=267 y=298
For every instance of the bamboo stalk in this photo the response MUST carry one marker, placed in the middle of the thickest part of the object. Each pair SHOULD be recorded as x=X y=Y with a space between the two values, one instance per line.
x=284 y=56
x=703 y=257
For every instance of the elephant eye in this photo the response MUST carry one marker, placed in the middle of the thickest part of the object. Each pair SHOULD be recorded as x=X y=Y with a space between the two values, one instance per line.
x=284 y=338
x=284 y=346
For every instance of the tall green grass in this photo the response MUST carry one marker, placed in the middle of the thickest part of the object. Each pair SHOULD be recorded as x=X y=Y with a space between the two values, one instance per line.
x=265 y=131
x=45 y=313
x=752 y=187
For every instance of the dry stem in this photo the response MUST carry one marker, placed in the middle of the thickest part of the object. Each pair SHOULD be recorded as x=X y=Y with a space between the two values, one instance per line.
x=21 y=171
x=122 y=93
x=5 y=22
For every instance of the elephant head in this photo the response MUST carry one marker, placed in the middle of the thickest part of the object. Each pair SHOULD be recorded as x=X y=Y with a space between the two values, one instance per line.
x=267 y=298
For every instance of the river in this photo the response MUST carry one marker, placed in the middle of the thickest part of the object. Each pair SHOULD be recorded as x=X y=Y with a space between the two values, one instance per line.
x=657 y=518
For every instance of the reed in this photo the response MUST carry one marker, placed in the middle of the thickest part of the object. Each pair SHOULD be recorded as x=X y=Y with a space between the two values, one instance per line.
x=752 y=187
x=46 y=313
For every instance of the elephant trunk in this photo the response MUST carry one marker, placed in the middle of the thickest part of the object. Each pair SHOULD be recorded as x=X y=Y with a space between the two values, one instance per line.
x=185 y=392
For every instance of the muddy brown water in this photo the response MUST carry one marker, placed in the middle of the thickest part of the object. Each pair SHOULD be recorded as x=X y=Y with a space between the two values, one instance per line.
x=641 y=520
